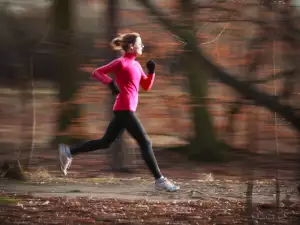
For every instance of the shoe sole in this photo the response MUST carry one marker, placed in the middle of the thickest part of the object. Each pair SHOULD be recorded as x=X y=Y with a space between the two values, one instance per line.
x=164 y=189
x=60 y=155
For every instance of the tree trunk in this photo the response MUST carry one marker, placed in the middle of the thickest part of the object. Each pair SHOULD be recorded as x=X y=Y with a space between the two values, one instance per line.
x=19 y=44
x=26 y=150
x=118 y=153
x=65 y=60
x=204 y=143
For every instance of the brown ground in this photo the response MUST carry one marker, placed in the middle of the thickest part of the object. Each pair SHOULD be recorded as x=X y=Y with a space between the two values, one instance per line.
x=90 y=194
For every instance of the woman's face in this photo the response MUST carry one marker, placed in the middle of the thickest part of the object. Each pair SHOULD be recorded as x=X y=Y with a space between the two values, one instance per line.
x=138 y=46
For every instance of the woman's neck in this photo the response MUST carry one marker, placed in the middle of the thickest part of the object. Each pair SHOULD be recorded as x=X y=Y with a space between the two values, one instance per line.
x=130 y=55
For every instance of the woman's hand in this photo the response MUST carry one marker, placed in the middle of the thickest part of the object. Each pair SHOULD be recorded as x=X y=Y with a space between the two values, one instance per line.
x=114 y=88
x=150 y=66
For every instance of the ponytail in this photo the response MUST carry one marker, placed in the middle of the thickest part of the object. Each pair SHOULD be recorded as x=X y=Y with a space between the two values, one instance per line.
x=117 y=43
x=123 y=40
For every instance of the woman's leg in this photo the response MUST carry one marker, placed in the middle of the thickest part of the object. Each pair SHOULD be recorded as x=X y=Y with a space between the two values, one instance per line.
x=113 y=132
x=136 y=130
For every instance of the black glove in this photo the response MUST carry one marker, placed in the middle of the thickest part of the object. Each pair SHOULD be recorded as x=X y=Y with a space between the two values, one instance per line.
x=114 y=88
x=150 y=66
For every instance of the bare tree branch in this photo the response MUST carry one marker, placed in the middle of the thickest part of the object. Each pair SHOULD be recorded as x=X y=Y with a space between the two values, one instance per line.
x=243 y=88
x=273 y=77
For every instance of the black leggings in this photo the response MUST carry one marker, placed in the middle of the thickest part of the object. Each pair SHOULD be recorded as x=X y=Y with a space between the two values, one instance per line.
x=124 y=120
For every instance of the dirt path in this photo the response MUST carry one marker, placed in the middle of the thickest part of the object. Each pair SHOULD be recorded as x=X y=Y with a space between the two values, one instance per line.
x=198 y=181
x=141 y=189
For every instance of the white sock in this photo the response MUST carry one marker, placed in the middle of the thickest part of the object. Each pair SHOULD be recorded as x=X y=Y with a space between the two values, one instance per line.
x=159 y=180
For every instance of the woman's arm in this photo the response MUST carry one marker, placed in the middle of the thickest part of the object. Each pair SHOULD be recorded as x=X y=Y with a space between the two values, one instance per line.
x=100 y=73
x=147 y=81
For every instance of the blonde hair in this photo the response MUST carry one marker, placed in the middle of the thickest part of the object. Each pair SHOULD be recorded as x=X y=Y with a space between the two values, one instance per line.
x=123 y=41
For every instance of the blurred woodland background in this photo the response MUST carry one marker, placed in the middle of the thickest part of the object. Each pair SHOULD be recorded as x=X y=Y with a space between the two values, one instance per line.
x=226 y=94
x=228 y=77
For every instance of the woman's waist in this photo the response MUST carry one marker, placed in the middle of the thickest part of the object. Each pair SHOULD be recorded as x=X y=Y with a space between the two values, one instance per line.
x=126 y=103
x=127 y=95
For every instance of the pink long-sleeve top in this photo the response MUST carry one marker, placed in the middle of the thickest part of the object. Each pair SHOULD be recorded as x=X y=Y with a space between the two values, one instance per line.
x=129 y=75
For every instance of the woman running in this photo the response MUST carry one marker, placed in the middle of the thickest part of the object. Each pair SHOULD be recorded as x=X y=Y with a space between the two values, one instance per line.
x=128 y=76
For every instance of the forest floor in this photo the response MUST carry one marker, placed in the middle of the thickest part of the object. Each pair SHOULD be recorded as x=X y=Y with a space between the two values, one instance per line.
x=93 y=194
